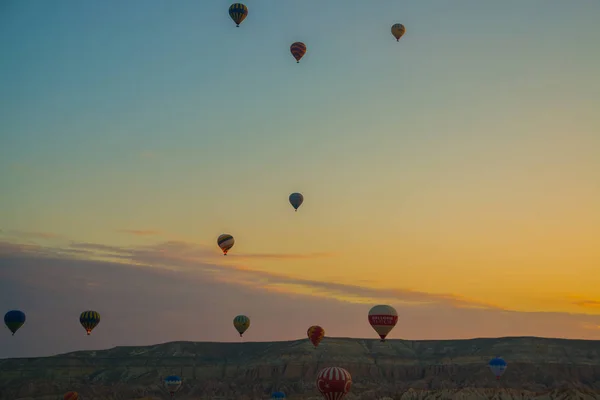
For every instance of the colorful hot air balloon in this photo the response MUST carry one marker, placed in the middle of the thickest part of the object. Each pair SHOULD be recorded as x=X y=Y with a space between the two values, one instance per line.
x=14 y=319
x=383 y=319
x=296 y=200
x=315 y=334
x=298 y=50
x=172 y=383
x=71 y=396
x=225 y=242
x=89 y=320
x=334 y=383
x=238 y=12
x=241 y=324
x=497 y=366
x=278 y=395
x=398 y=30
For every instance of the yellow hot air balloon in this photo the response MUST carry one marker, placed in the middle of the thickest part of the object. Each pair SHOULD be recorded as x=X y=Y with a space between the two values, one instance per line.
x=398 y=30
x=241 y=324
x=225 y=242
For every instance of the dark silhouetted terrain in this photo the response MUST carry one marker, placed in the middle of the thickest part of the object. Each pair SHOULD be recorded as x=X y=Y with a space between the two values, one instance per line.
x=398 y=369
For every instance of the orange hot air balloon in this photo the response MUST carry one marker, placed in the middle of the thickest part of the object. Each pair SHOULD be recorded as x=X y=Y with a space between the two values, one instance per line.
x=298 y=50
x=71 y=396
x=398 y=30
x=315 y=334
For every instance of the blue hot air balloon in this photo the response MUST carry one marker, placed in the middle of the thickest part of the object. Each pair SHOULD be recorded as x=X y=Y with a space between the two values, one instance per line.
x=14 y=319
x=497 y=366
x=172 y=383
x=278 y=395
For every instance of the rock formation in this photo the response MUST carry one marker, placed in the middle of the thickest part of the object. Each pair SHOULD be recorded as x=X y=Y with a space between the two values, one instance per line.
x=541 y=369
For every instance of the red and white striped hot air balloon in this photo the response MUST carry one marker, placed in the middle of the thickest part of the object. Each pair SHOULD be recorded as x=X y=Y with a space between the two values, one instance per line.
x=334 y=383
x=383 y=319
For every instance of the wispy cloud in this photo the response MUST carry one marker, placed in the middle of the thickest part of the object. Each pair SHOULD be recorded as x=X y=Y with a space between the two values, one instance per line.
x=30 y=235
x=178 y=252
x=286 y=256
x=593 y=327
x=136 y=232
x=100 y=249
x=588 y=303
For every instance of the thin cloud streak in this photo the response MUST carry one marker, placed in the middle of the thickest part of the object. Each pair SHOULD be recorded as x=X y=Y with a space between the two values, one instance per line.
x=30 y=235
x=173 y=250
x=136 y=232
x=588 y=303
x=307 y=256
x=100 y=248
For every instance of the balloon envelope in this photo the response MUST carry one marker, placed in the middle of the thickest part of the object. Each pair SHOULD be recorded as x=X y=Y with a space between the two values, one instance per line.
x=225 y=242
x=238 y=12
x=334 y=383
x=241 y=324
x=315 y=334
x=14 y=319
x=298 y=50
x=296 y=200
x=71 y=396
x=497 y=366
x=383 y=318
x=398 y=30
x=172 y=383
x=89 y=320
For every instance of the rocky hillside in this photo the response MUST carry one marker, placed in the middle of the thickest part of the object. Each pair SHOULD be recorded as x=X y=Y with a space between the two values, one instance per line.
x=539 y=368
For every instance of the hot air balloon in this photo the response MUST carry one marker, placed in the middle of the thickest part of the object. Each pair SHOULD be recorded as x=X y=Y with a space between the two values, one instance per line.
x=14 y=319
x=334 y=383
x=71 y=396
x=383 y=319
x=225 y=242
x=497 y=366
x=398 y=30
x=296 y=200
x=172 y=383
x=89 y=320
x=298 y=50
x=315 y=334
x=278 y=395
x=238 y=12
x=241 y=324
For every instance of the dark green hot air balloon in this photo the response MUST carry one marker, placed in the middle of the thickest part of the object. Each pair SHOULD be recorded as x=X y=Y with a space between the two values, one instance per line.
x=296 y=200
x=14 y=319
x=89 y=320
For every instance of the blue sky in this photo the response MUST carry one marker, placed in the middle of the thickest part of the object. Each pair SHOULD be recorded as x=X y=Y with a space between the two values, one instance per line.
x=463 y=159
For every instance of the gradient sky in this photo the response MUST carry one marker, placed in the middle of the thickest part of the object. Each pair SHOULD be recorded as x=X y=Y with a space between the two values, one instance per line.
x=454 y=175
